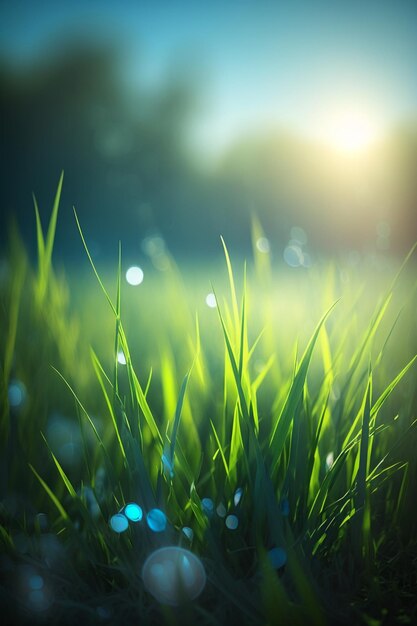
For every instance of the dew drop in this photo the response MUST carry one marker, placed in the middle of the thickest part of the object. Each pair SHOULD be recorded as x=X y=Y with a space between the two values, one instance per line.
x=168 y=465
x=188 y=532
x=121 y=357
x=238 y=496
x=329 y=460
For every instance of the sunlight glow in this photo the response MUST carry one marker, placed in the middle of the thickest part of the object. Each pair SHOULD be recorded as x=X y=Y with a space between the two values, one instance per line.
x=350 y=131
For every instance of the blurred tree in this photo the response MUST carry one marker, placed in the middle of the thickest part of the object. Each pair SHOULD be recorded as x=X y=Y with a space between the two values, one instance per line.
x=124 y=160
x=130 y=172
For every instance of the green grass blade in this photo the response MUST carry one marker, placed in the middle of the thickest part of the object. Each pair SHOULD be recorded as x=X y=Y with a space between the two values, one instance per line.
x=293 y=400
x=83 y=409
x=99 y=371
x=362 y=503
x=390 y=388
x=220 y=448
x=50 y=236
x=178 y=415
x=39 y=236
x=51 y=494
x=63 y=475
x=100 y=282
x=232 y=285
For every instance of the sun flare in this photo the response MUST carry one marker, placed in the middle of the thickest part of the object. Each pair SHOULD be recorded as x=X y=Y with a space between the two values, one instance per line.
x=351 y=132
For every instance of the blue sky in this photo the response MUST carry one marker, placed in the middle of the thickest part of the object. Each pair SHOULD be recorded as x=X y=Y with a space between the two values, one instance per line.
x=264 y=62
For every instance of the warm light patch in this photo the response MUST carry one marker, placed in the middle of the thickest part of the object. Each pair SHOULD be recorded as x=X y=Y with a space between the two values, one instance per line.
x=351 y=131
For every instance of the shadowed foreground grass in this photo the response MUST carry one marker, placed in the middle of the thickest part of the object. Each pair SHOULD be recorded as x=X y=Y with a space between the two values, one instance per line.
x=292 y=404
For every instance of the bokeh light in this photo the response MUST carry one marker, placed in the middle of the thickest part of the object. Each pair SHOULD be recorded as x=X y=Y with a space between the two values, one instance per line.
x=16 y=394
x=263 y=245
x=298 y=235
x=293 y=256
x=36 y=595
x=133 y=512
x=232 y=522
x=207 y=506
x=52 y=551
x=36 y=582
x=119 y=523
x=134 y=275
x=285 y=507
x=211 y=300
x=91 y=501
x=156 y=520
x=188 y=532
x=277 y=557
x=221 y=510
x=173 y=575
x=64 y=438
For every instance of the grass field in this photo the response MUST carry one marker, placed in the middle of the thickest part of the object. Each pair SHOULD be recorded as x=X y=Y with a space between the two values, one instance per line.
x=291 y=403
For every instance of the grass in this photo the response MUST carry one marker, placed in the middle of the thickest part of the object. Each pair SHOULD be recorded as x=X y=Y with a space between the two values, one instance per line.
x=298 y=389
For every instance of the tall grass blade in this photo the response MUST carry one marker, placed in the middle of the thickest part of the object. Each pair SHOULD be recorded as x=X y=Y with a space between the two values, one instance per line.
x=294 y=397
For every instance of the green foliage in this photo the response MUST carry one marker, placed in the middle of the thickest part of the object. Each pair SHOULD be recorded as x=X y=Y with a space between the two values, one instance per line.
x=248 y=413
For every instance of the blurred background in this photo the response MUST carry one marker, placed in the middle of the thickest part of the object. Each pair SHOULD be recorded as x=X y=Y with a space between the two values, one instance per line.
x=178 y=121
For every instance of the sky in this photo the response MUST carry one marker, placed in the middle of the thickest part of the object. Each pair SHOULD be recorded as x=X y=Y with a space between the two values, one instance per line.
x=260 y=63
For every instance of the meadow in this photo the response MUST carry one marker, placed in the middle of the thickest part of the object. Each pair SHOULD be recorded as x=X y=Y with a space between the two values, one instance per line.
x=275 y=421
